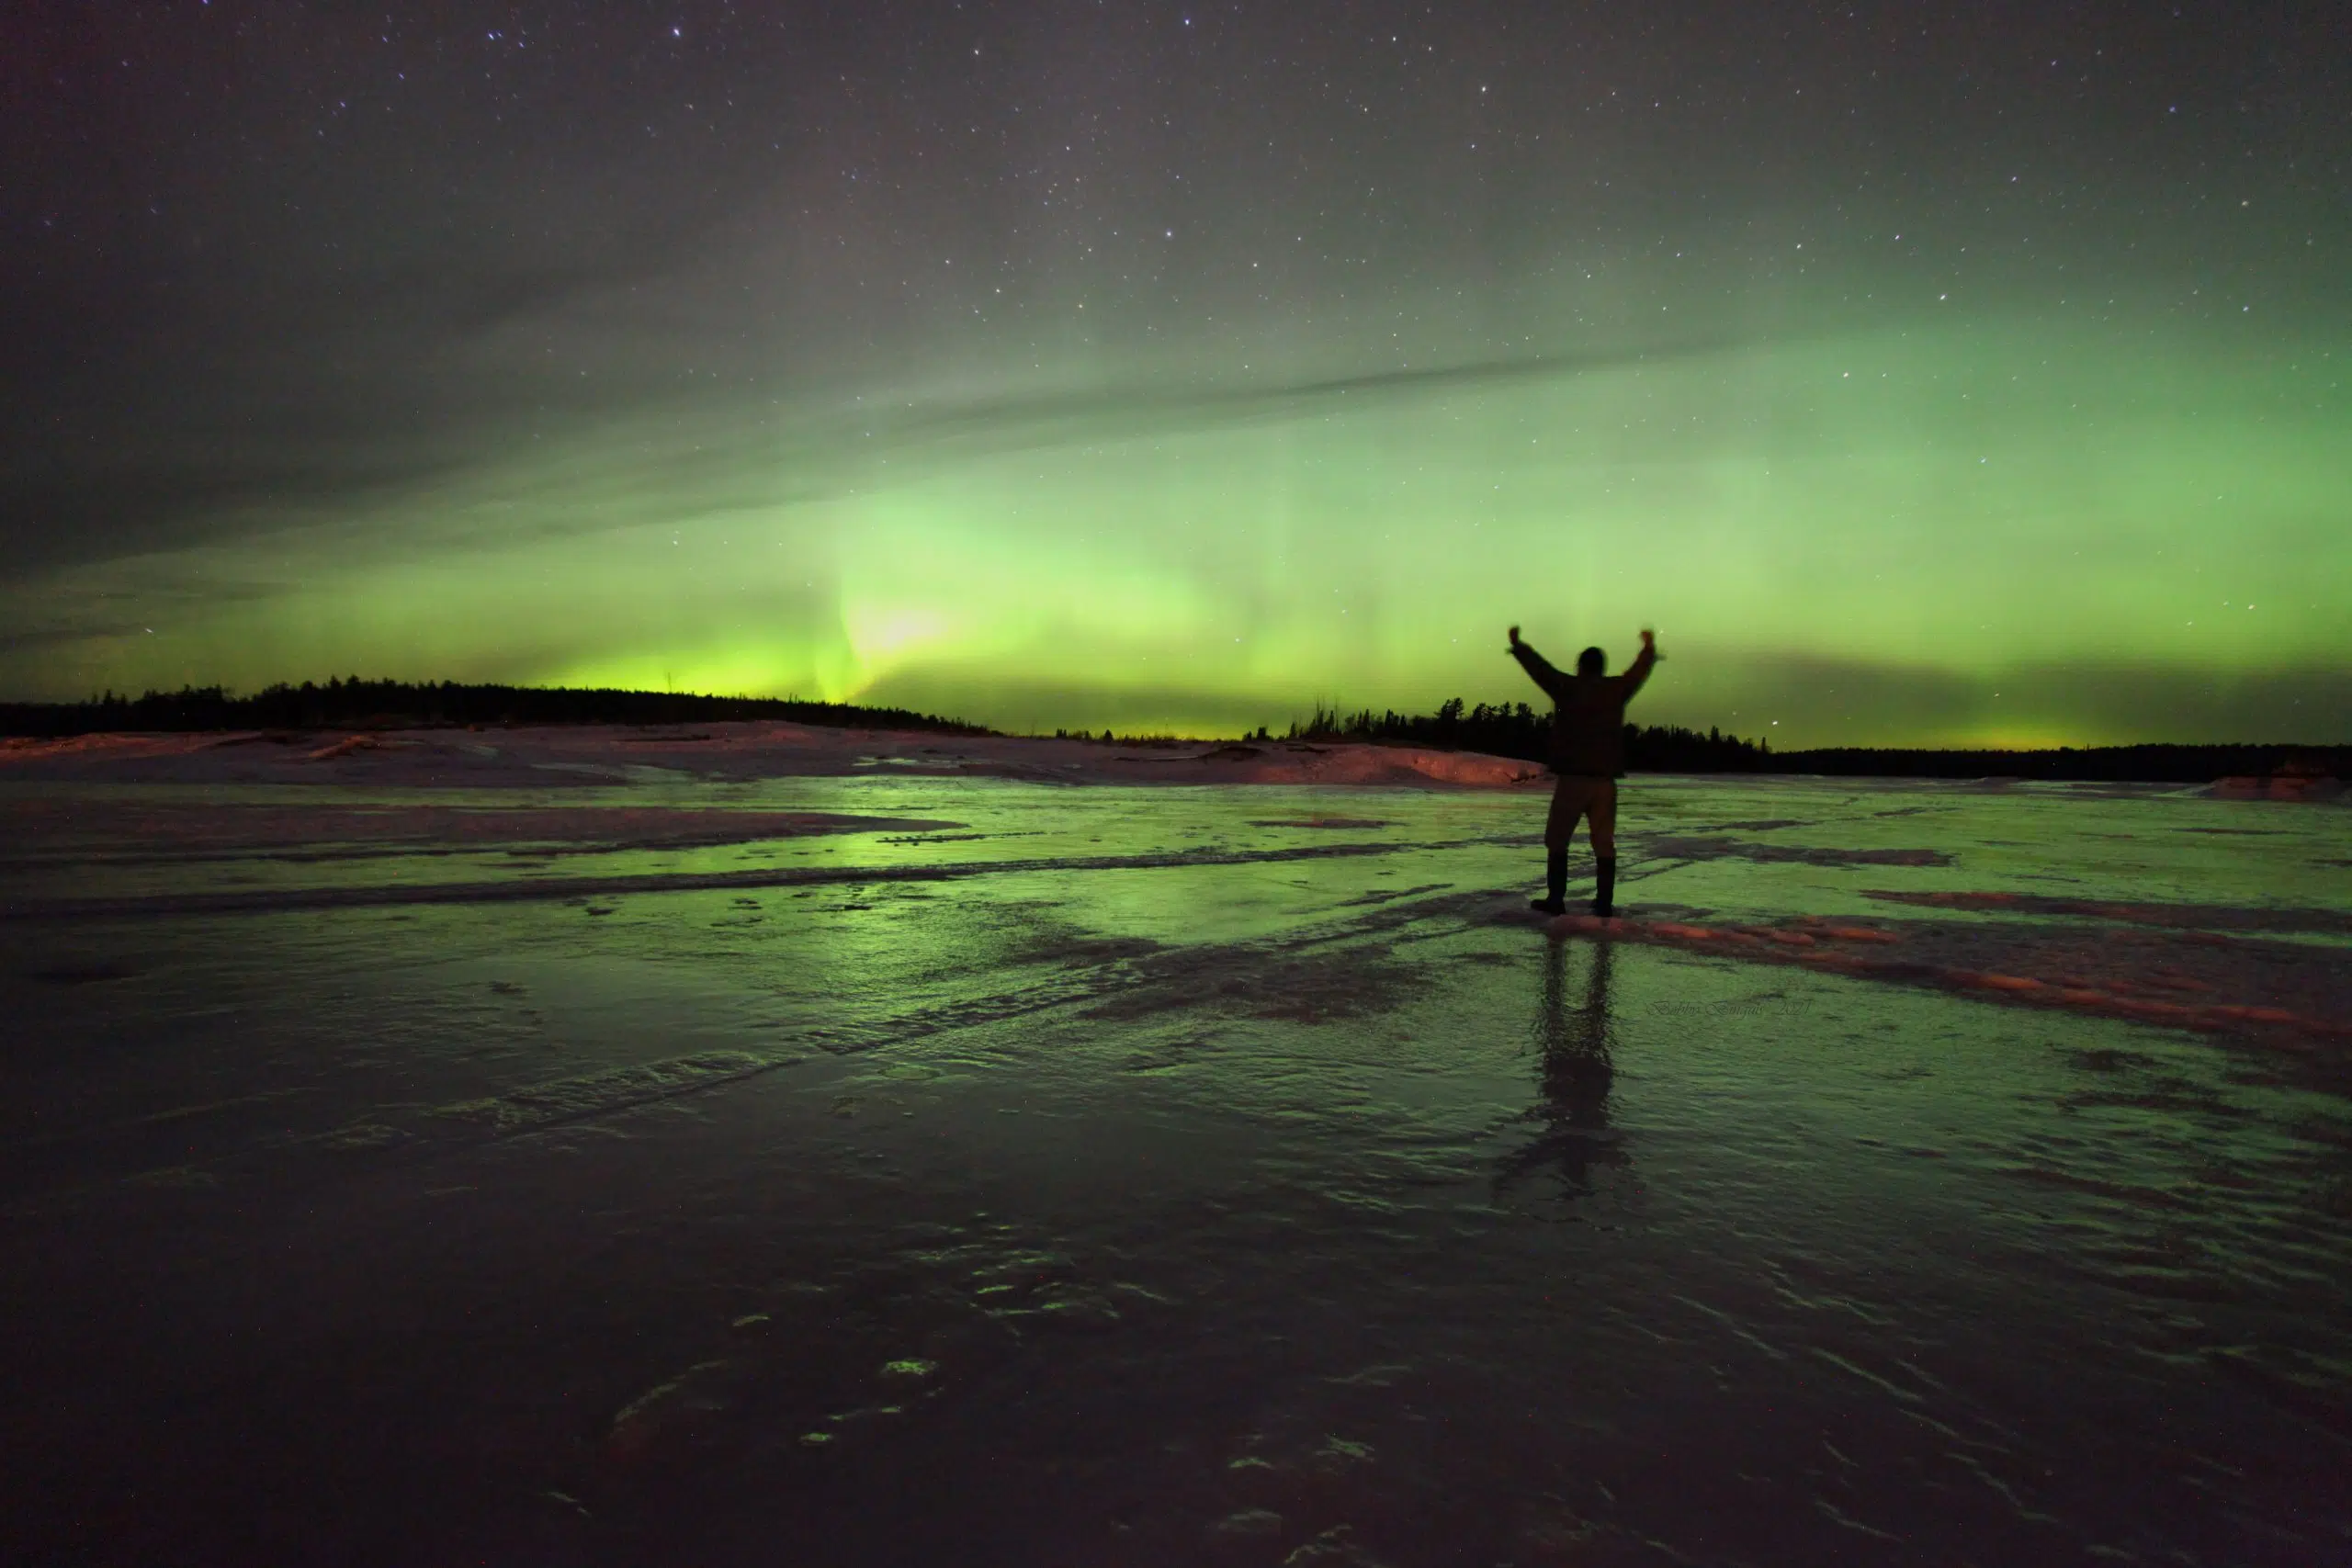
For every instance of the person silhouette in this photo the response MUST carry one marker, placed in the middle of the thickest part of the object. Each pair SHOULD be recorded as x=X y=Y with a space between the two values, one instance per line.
x=1589 y=755
x=1576 y=1073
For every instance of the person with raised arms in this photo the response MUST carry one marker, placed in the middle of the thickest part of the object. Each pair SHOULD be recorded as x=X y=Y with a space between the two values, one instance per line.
x=1588 y=756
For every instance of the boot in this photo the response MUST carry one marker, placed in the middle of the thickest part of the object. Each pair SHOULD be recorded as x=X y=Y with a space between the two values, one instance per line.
x=1556 y=884
x=1605 y=892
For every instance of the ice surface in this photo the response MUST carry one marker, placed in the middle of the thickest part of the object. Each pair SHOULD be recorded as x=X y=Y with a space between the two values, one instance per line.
x=415 y=1155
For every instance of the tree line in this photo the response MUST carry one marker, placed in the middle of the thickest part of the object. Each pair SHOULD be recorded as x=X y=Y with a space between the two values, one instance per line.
x=1502 y=730
x=356 y=704
x=1516 y=729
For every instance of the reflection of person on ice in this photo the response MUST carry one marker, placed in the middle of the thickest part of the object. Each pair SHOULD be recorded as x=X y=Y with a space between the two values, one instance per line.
x=1589 y=755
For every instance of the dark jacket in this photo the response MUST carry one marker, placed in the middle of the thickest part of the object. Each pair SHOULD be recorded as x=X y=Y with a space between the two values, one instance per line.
x=1588 y=713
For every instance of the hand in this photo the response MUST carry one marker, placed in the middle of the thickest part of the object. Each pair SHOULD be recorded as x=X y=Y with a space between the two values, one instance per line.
x=1650 y=638
x=1514 y=636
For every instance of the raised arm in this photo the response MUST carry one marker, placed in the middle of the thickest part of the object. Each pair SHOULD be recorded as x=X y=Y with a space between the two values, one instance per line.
x=1644 y=661
x=1538 y=668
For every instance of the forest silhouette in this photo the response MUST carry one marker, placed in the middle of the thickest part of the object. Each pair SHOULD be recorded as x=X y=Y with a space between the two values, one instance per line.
x=1502 y=730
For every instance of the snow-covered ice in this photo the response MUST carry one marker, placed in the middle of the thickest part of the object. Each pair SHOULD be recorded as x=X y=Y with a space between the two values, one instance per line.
x=752 y=1144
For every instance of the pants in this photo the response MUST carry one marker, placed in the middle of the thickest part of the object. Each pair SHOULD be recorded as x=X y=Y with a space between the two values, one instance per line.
x=1575 y=796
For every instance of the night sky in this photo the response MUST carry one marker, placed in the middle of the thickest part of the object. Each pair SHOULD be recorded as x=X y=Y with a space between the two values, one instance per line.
x=1956 y=374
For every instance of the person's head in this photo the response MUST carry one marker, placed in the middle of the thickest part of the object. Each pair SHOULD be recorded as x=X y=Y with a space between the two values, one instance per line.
x=1592 y=661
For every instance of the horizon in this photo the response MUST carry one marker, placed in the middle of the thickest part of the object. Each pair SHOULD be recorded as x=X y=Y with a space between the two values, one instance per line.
x=1293 y=727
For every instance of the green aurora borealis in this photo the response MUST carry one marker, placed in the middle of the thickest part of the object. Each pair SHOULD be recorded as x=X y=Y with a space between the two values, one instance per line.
x=1868 y=490
x=1919 y=534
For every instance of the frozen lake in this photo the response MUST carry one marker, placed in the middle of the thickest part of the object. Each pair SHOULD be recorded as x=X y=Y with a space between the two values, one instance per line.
x=898 y=1167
